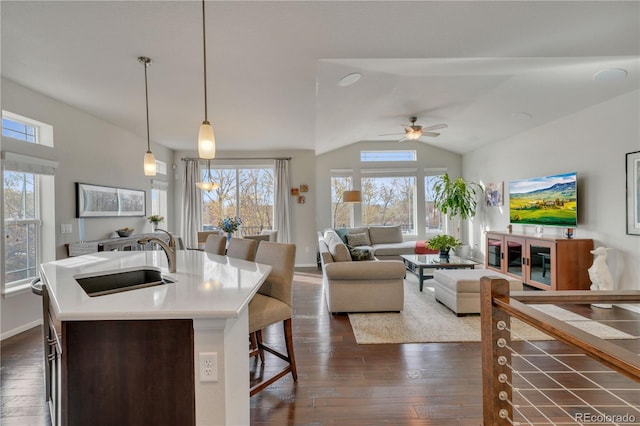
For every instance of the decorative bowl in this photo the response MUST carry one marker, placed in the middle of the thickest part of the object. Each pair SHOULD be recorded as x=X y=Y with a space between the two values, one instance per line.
x=125 y=232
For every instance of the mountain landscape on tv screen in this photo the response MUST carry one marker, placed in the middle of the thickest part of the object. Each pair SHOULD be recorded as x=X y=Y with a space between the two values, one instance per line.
x=552 y=206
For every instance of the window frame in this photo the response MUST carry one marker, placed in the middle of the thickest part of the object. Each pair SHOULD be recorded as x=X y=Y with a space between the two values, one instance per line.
x=11 y=286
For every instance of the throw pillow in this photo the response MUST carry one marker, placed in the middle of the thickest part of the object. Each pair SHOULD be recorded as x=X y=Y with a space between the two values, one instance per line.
x=358 y=240
x=342 y=233
x=359 y=253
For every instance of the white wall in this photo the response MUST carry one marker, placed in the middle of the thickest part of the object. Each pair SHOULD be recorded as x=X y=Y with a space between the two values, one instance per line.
x=302 y=169
x=592 y=142
x=88 y=150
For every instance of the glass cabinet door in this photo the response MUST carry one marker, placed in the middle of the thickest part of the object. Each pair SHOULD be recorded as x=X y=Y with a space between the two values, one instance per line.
x=494 y=252
x=514 y=255
x=540 y=265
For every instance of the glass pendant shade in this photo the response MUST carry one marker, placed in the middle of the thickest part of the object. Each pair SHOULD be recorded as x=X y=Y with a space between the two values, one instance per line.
x=206 y=141
x=207 y=186
x=149 y=164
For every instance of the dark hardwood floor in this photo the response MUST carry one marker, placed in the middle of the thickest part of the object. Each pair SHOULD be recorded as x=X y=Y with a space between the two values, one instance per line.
x=339 y=381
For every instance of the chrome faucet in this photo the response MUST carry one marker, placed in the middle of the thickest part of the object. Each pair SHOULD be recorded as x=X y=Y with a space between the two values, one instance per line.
x=169 y=249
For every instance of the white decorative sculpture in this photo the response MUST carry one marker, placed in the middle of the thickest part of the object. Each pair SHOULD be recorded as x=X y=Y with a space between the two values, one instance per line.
x=599 y=273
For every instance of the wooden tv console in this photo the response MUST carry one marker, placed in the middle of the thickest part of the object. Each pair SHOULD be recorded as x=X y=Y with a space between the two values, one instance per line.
x=547 y=263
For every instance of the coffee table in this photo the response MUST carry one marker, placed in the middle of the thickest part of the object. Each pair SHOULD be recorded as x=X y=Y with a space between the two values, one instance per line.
x=421 y=265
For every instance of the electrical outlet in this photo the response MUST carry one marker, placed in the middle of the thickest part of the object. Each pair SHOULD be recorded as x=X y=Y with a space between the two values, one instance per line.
x=208 y=366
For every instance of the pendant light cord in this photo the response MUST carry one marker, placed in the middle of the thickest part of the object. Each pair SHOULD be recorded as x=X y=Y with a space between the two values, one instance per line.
x=204 y=55
x=146 y=97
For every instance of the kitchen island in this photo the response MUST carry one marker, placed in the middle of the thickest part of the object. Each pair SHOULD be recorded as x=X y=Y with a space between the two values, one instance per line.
x=132 y=357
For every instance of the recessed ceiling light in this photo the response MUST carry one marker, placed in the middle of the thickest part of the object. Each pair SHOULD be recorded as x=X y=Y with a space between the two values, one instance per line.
x=610 y=74
x=521 y=115
x=349 y=79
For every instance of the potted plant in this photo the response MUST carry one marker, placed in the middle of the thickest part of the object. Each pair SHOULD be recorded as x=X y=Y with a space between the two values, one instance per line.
x=229 y=225
x=155 y=219
x=444 y=243
x=456 y=198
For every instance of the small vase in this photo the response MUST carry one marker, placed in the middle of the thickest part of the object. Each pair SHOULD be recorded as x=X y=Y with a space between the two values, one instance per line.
x=154 y=225
x=229 y=235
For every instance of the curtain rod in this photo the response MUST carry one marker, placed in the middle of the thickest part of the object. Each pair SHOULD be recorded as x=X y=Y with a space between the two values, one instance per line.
x=237 y=158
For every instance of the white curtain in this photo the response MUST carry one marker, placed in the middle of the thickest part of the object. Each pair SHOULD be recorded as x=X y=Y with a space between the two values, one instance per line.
x=282 y=214
x=191 y=204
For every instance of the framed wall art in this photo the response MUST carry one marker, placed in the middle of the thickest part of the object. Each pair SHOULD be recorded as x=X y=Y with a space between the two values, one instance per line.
x=106 y=201
x=633 y=193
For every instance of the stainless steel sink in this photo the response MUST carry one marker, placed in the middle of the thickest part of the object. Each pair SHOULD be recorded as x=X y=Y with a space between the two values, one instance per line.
x=119 y=281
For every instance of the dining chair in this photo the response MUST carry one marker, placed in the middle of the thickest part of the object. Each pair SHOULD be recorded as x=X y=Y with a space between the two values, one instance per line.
x=216 y=244
x=272 y=304
x=272 y=233
x=202 y=235
x=240 y=248
x=259 y=238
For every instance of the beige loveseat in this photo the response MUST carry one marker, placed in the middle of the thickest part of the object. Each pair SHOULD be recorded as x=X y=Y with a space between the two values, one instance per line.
x=358 y=286
x=384 y=242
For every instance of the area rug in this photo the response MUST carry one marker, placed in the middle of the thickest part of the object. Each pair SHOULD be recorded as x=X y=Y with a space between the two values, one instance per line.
x=425 y=320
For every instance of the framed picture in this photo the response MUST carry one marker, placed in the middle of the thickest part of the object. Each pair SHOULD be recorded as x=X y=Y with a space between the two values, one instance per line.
x=633 y=193
x=294 y=192
x=494 y=194
x=301 y=199
x=304 y=188
x=106 y=201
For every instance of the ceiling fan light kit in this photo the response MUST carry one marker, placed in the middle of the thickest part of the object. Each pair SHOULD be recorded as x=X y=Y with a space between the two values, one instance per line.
x=413 y=132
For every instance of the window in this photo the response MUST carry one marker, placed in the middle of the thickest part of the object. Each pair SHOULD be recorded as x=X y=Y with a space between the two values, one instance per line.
x=25 y=129
x=21 y=227
x=18 y=130
x=159 y=202
x=389 y=201
x=407 y=155
x=342 y=212
x=246 y=192
x=434 y=221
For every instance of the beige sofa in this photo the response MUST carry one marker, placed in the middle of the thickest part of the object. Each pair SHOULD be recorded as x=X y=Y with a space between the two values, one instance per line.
x=358 y=286
x=384 y=242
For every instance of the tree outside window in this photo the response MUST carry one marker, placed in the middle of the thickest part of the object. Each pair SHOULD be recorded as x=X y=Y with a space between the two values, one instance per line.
x=434 y=222
x=342 y=212
x=21 y=226
x=245 y=192
x=389 y=201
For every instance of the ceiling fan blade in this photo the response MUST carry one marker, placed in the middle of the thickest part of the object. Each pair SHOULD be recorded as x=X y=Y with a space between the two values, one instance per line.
x=403 y=139
x=435 y=127
x=392 y=134
x=432 y=134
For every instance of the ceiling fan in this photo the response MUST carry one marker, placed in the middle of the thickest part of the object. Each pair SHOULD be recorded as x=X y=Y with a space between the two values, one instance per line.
x=413 y=131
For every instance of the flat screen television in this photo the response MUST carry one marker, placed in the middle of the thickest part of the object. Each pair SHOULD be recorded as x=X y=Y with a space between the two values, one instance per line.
x=544 y=201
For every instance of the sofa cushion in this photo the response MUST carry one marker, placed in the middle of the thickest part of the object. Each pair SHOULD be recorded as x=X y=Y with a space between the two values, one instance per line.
x=406 y=247
x=360 y=253
x=385 y=234
x=342 y=233
x=358 y=239
x=339 y=250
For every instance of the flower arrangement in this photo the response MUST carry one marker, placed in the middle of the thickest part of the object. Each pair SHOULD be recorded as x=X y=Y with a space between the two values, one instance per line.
x=155 y=218
x=443 y=242
x=230 y=224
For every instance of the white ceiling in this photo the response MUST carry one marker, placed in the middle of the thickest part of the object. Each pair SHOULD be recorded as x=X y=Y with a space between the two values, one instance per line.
x=273 y=67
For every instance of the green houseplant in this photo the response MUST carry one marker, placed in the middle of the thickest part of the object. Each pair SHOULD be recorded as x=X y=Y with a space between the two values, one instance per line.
x=444 y=243
x=456 y=198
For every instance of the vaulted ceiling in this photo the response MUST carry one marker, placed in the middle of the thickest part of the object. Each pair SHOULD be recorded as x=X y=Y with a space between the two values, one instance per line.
x=487 y=69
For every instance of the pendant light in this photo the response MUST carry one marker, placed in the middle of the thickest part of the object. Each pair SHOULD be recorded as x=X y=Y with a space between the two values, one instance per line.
x=149 y=159
x=206 y=138
x=208 y=184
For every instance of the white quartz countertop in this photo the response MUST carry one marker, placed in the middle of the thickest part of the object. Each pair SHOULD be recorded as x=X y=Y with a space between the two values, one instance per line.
x=205 y=286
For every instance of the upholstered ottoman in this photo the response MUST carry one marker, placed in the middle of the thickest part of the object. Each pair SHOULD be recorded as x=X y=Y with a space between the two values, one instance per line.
x=459 y=289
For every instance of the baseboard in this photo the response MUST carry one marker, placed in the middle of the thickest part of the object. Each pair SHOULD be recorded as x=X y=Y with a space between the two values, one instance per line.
x=18 y=330
x=306 y=265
